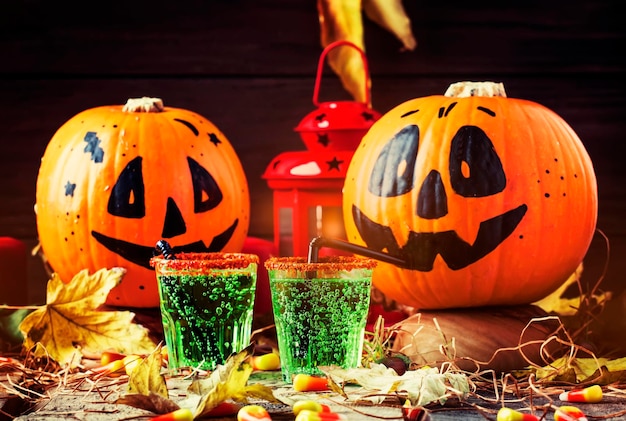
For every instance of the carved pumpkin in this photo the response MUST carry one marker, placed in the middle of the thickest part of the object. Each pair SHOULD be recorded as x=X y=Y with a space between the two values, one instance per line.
x=489 y=200
x=115 y=179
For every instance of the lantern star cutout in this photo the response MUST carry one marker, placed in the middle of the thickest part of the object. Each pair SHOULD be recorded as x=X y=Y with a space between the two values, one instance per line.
x=320 y=118
x=367 y=116
x=334 y=163
x=322 y=139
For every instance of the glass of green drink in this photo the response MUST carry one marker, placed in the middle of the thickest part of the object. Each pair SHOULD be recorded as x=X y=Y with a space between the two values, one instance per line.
x=320 y=311
x=207 y=301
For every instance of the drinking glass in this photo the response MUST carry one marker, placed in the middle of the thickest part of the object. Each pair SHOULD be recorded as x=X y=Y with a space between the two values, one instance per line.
x=320 y=311
x=207 y=302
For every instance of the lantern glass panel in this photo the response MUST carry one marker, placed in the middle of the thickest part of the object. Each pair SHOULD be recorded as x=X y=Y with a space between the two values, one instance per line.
x=326 y=221
x=285 y=231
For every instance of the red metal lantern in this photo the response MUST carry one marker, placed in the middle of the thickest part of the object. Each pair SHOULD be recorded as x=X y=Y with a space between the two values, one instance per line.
x=307 y=184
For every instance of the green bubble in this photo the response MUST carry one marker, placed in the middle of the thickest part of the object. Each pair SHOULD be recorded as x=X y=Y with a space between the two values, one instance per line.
x=201 y=325
x=319 y=322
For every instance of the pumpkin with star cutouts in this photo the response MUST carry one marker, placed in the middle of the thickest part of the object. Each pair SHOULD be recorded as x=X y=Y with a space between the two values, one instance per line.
x=116 y=179
x=487 y=200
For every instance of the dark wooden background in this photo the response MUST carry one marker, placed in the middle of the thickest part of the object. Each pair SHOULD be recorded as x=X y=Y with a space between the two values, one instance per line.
x=249 y=67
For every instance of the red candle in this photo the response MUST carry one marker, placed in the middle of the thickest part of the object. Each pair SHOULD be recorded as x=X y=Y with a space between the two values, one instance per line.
x=13 y=272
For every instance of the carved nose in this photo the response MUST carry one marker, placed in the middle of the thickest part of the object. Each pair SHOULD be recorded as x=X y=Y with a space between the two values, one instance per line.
x=432 y=202
x=174 y=222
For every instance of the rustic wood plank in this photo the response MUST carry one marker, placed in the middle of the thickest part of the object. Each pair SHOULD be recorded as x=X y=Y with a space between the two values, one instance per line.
x=281 y=37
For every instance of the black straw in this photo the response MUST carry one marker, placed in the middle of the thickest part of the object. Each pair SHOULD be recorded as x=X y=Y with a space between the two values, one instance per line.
x=319 y=242
x=164 y=248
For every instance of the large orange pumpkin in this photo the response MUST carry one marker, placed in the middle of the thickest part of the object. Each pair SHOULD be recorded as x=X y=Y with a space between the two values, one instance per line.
x=115 y=179
x=489 y=200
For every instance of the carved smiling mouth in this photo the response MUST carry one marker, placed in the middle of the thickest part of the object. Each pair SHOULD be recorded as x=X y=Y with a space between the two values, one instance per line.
x=141 y=255
x=421 y=249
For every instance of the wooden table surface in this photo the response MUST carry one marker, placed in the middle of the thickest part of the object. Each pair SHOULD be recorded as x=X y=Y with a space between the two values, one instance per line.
x=97 y=403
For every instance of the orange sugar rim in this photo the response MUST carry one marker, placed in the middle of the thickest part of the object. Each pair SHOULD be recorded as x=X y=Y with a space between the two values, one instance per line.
x=323 y=263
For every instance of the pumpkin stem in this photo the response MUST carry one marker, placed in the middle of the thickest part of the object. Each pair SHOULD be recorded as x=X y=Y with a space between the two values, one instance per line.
x=143 y=105
x=467 y=89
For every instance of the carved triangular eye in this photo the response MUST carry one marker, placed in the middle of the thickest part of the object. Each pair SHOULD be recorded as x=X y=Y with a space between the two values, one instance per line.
x=206 y=193
x=128 y=196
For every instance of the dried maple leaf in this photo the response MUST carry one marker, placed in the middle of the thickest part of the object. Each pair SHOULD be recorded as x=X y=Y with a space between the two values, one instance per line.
x=70 y=320
x=229 y=381
x=423 y=386
x=582 y=370
x=556 y=303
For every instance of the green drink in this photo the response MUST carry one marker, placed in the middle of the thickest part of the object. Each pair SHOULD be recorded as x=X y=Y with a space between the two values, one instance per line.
x=320 y=311
x=207 y=301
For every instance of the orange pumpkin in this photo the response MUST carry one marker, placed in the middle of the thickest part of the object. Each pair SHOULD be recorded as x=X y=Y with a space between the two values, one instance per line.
x=115 y=179
x=489 y=200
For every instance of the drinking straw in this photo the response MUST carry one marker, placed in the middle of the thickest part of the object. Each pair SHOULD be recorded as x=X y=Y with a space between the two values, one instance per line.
x=319 y=242
x=164 y=248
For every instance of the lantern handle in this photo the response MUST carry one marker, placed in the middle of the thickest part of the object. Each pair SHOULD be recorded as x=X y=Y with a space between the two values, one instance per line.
x=320 y=68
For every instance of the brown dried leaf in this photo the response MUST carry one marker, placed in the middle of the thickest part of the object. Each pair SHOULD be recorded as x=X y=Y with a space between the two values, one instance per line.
x=152 y=402
x=70 y=320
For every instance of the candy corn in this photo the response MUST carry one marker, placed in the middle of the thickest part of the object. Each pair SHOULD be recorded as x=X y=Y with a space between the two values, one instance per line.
x=410 y=412
x=306 y=415
x=110 y=356
x=309 y=406
x=306 y=383
x=591 y=394
x=224 y=409
x=569 y=413
x=113 y=369
x=253 y=413
x=183 y=414
x=266 y=362
x=507 y=414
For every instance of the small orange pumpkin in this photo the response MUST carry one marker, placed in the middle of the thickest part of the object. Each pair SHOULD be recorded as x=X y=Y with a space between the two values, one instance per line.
x=489 y=200
x=115 y=179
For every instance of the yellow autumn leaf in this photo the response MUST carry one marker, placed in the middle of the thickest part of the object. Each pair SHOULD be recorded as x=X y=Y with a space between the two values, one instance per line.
x=228 y=381
x=556 y=304
x=147 y=388
x=70 y=320
x=146 y=377
x=580 y=370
